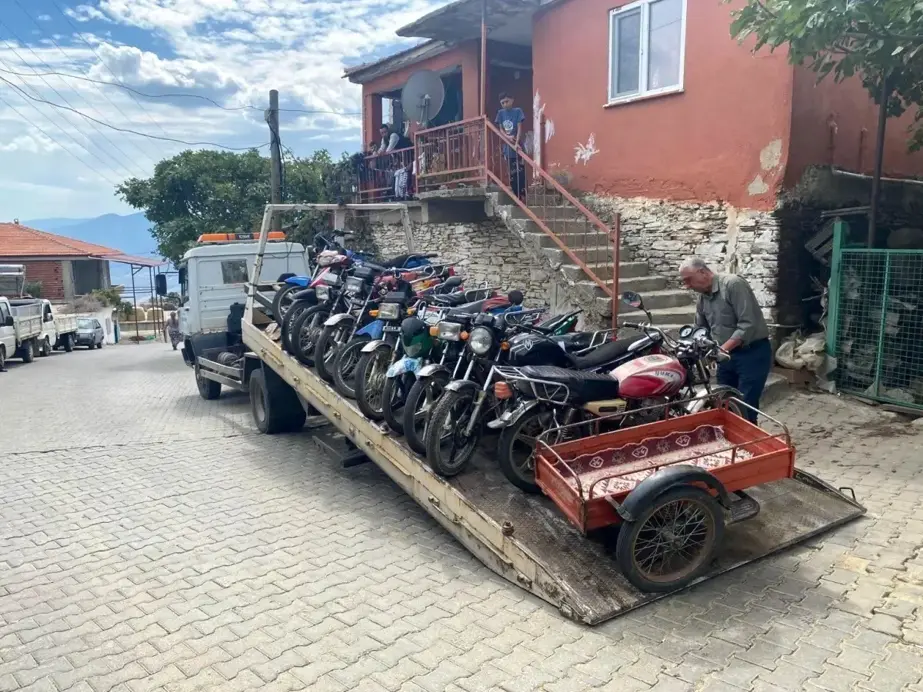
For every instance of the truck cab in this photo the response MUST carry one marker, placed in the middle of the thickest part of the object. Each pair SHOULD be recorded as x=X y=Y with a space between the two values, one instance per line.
x=213 y=276
x=7 y=331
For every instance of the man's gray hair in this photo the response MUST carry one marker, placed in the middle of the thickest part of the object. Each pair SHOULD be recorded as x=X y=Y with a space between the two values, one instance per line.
x=692 y=264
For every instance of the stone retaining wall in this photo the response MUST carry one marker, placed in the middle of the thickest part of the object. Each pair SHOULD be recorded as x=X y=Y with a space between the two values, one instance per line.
x=484 y=251
x=663 y=234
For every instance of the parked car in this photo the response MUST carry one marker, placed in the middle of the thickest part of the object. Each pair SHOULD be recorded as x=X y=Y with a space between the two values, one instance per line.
x=90 y=333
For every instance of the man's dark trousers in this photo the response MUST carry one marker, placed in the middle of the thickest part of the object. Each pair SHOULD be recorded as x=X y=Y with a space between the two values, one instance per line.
x=747 y=370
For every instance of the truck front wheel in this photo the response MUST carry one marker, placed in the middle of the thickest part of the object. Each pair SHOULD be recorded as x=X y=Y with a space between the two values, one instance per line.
x=208 y=389
x=274 y=404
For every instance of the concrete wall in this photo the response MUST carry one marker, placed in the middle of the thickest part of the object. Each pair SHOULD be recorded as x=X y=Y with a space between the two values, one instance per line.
x=484 y=251
x=835 y=124
x=724 y=137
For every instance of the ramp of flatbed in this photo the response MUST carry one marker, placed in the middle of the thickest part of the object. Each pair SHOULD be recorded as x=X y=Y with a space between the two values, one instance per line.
x=538 y=549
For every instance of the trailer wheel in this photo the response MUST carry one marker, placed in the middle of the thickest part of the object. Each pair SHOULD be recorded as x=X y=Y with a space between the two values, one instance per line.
x=274 y=404
x=208 y=389
x=28 y=351
x=673 y=541
x=68 y=343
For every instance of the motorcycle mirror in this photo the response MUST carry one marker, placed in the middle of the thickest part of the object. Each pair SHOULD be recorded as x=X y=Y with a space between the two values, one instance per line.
x=515 y=297
x=632 y=299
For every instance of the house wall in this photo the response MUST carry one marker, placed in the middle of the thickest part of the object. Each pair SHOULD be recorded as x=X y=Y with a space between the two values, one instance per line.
x=465 y=55
x=723 y=138
x=49 y=272
x=835 y=124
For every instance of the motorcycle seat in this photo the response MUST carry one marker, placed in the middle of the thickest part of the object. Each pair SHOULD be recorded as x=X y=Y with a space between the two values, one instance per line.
x=451 y=299
x=584 y=386
x=401 y=261
x=577 y=341
x=605 y=354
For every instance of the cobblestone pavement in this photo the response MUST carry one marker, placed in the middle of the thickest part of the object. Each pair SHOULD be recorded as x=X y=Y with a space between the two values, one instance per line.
x=152 y=540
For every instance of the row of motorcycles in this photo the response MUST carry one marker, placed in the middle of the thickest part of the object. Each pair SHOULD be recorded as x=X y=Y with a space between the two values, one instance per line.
x=442 y=364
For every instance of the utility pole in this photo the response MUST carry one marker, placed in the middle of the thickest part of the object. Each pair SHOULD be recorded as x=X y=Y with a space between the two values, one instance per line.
x=275 y=155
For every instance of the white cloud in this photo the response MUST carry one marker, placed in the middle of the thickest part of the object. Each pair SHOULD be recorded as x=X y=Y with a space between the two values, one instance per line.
x=232 y=51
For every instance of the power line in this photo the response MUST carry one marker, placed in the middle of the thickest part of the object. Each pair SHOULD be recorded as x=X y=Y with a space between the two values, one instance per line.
x=127 y=130
x=67 y=134
x=79 y=34
x=63 y=98
x=99 y=91
x=211 y=101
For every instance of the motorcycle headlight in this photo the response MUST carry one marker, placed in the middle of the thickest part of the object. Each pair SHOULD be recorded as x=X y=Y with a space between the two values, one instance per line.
x=353 y=284
x=389 y=311
x=481 y=340
x=331 y=279
x=449 y=331
x=322 y=292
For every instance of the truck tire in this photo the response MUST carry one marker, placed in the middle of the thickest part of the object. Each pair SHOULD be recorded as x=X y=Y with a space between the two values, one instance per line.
x=28 y=351
x=45 y=348
x=274 y=405
x=68 y=340
x=2 y=357
x=208 y=389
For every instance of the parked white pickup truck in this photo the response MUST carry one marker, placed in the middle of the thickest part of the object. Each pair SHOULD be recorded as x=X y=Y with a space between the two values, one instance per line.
x=18 y=334
x=58 y=330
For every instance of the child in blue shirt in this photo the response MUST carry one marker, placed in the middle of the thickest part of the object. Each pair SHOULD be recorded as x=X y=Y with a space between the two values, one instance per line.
x=510 y=120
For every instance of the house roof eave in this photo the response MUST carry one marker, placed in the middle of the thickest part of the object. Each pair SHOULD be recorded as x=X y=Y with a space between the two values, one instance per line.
x=362 y=74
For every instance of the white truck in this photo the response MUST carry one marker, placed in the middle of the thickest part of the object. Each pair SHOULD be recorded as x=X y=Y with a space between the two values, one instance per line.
x=213 y=276
x=18 y=334
x=58 y=330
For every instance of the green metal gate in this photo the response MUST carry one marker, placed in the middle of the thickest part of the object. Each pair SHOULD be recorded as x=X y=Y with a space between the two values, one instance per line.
x=875 y=325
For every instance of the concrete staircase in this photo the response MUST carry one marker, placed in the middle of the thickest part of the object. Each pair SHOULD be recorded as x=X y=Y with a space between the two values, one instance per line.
x=671 y=307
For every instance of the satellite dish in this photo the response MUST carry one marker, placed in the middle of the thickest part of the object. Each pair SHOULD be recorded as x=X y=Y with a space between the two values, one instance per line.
x=422 y=96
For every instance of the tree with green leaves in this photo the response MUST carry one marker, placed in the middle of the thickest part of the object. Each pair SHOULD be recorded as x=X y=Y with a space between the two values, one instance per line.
x=872 y=39
x=207 y=191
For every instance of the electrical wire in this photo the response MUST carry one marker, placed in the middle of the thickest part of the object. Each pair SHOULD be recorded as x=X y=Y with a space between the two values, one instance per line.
x=119 y=162
x=211 y=101
x=51 y=38
x=125 y=129
x=39 y=128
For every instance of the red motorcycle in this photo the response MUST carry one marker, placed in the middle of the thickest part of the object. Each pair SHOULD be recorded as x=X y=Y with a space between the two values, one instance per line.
x=675 y=381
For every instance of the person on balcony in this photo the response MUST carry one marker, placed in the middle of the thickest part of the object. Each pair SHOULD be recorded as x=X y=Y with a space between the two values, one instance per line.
x=392 y=141
x=510 y=119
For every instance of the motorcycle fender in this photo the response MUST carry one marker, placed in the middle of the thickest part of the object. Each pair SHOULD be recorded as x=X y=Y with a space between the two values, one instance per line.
x=702 y=395
x=666 y=479
x=298 y=281
x=373 y=330
x=342 y=318
x=462 y=386
x=373 y=346
x=510 y=417
x=429 y=370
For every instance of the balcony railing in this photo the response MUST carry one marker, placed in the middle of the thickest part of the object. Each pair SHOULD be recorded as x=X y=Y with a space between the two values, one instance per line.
x=387 y=177
x=451 y=155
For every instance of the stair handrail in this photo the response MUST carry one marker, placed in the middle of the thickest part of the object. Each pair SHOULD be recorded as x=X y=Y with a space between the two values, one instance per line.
x=612 y=233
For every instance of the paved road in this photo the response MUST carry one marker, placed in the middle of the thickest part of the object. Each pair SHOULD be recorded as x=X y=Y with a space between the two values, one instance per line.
x=152 y=540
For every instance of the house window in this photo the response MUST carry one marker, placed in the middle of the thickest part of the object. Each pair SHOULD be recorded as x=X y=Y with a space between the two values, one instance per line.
x=234 y=271
x=646 y=48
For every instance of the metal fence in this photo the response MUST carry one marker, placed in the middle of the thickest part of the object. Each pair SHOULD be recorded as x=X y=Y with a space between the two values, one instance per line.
x=877 y=322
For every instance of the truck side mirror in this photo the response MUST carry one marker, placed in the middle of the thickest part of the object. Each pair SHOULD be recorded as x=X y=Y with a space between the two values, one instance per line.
x=8 y=322
x=160 y=284
x=182 y=276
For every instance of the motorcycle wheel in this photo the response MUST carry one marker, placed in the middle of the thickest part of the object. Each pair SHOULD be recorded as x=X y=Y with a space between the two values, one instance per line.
x=282 y=302
x=344 y=367
x=394 y=399
x=721 y=396
x=288 y=324
x=370 y=382
x=421 y=399
x=516 y=448
x=305 y=332
x=448 y=450
x=326 y=350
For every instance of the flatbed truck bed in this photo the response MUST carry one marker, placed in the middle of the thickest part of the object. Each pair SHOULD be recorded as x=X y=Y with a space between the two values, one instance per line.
x=524 y=538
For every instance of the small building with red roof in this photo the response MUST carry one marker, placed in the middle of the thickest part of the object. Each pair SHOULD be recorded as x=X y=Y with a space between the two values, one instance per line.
x=66 y=267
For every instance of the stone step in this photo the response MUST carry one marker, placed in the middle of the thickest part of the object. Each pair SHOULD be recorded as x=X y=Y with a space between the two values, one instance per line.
x=549 y=213
x=663 y=312
x=665 y=299
x=573 y=242
x=638 y=283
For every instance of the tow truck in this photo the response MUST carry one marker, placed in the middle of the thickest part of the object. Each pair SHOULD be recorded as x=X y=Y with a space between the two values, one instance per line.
x=523 y=538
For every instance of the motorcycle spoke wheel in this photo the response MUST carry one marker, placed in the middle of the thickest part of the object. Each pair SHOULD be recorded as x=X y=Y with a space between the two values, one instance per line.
x=449 y=448
x=375 y=380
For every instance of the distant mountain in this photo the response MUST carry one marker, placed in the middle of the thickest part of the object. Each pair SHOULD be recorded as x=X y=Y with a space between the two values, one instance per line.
x=129 y=233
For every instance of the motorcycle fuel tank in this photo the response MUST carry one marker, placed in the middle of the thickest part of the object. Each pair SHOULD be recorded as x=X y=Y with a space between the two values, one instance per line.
x=650 y=376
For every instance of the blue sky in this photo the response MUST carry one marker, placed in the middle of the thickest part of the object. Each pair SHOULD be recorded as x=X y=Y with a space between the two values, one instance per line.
x=57 y=164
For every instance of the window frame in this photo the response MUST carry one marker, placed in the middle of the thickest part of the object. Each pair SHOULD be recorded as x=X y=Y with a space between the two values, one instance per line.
x=234 y=261
x=644 y=57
